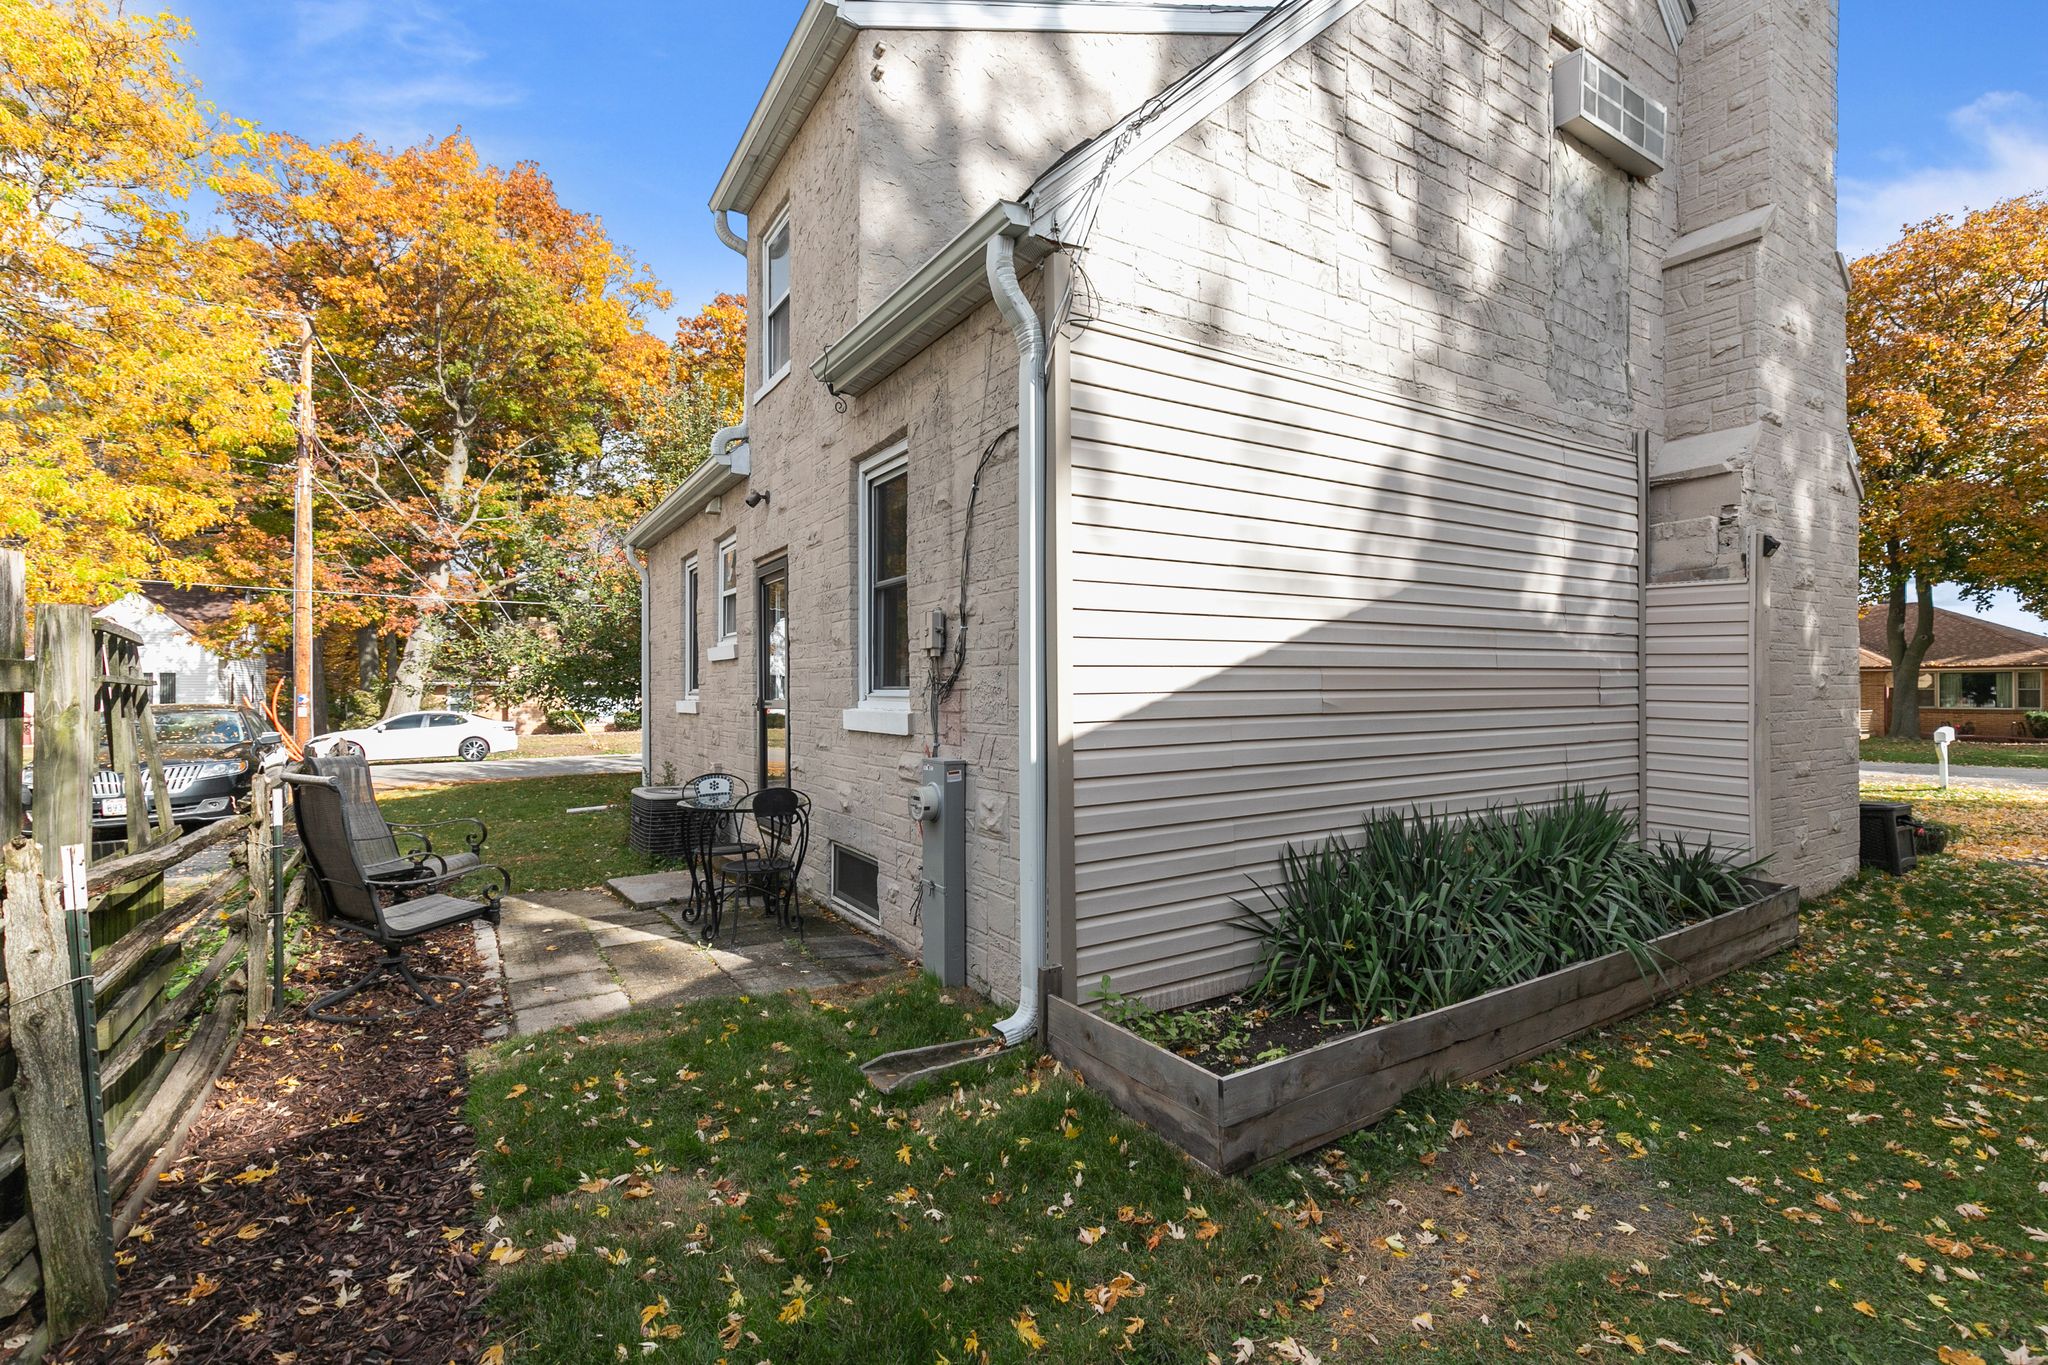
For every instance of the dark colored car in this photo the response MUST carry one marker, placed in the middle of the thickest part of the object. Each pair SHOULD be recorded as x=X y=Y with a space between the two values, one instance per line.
x=209 y=752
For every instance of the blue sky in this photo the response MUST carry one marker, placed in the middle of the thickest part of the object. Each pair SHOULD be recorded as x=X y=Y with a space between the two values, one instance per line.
x=633 y=108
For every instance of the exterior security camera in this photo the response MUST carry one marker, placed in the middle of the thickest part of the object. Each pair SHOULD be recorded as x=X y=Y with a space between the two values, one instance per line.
x=755 y=499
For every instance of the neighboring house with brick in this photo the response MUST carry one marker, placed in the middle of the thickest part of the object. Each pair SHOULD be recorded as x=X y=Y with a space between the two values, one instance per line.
x=1389 y=445
x=179 y=664
x=1979 y=676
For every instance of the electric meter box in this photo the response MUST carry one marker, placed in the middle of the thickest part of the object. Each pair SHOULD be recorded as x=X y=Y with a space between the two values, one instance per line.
x=939 y=805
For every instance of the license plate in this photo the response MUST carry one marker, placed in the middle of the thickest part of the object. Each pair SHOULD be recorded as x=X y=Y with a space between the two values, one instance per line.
x=114 y=805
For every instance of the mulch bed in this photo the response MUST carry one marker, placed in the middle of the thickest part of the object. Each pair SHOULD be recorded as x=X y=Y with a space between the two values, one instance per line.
x=321 y=1210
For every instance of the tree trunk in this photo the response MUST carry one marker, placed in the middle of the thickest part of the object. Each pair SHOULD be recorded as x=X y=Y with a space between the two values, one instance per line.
x=1908 y=652
x=416 y=660
x=416 y=664
x=366 y=658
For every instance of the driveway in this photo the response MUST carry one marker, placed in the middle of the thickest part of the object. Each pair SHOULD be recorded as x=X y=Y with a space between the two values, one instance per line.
x=389 y=775
x=1961 y=776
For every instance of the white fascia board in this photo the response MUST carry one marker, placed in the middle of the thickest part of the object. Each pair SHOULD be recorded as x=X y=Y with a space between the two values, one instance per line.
x=1057 y=16
x=1678 y=16
x=704 y=483
x=821 y=39
x=1139 y=135
x=938 y=294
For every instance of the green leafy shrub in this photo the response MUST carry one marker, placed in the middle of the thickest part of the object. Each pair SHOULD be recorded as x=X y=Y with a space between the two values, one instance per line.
x=1421 y=911
x=2037 y=724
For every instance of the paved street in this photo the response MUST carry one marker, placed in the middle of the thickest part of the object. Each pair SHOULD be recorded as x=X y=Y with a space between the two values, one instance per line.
x=389 y=775
x=1972 y=777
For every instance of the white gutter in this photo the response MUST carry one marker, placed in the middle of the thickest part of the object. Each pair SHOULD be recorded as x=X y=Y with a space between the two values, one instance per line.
x=928 y=304
x=725 y=233
x=1016 y=309
x=646 y=680
x=729 y=462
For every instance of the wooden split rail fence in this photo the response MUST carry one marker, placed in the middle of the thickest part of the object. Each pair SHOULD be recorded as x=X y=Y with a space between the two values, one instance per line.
x=129 y=977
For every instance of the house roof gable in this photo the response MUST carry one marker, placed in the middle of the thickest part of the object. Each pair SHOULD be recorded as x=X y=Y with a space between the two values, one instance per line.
x=826 y=29
x=1960 y=641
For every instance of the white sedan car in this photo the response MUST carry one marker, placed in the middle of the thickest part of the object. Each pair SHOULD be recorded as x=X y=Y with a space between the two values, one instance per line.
x=422 y=734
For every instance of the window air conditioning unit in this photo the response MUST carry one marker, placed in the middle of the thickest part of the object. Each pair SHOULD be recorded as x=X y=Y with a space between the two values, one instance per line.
x=1595 y=105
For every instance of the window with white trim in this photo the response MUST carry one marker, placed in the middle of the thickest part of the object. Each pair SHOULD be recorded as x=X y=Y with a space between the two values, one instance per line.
x=885 y=577
x=1992 y=690
x=691 y=654
x=728 y=588
x=775 y=311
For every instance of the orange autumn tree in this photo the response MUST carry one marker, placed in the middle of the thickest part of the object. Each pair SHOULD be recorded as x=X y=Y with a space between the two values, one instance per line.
x=135 y=373
x=572 y=641
x=481 y=342
x=1948 y=406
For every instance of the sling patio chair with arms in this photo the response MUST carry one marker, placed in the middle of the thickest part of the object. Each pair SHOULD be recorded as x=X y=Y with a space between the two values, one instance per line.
x=390 y=911
x=377 y=841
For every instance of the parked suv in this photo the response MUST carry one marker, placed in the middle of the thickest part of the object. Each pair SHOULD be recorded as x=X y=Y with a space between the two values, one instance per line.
x=209 y=753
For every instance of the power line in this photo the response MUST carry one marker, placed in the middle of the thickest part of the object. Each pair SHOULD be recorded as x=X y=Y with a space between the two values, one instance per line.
x=339 y=592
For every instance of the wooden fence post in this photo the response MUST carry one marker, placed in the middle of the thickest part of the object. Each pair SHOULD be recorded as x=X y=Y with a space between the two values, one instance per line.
x=72 y=1239
x=263 y=867
x=13 y=648
x=63 y=1133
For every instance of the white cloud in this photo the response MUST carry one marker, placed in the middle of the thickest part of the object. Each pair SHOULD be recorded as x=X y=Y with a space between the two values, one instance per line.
x=2005 y=609
x=2002 y=151
x=395 y=70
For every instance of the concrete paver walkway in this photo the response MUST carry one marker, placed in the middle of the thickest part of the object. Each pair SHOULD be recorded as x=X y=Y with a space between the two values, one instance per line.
x=1971 y=776
x=571 y=957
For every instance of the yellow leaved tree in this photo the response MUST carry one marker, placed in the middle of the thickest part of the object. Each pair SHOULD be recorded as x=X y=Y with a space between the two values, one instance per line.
x=1948 y=405
x=135 y=370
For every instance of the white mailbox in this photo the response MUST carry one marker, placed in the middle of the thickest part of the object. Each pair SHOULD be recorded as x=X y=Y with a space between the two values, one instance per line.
x=1944 y=735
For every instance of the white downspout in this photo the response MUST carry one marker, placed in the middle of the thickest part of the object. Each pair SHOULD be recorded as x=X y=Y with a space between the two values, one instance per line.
x=1031 y=722
x=725 y=233
x=728 y=436
x=646 y=681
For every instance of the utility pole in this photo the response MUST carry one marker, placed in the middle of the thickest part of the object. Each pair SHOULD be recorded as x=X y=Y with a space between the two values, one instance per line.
x=302 y=546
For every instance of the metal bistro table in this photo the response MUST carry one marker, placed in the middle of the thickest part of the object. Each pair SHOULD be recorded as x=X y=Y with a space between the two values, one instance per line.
x=713 y=806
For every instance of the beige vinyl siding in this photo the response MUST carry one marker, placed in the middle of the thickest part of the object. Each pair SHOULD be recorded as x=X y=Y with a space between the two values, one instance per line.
x=1290 y=601
x=1703 y=712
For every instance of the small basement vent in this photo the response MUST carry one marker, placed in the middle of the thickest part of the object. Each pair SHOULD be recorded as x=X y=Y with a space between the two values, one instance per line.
x=655 y=821
x=1595 y=105
x=856 y=881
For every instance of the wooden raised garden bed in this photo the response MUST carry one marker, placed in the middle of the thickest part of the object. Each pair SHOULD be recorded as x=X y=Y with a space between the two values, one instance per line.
x=1276 y=1109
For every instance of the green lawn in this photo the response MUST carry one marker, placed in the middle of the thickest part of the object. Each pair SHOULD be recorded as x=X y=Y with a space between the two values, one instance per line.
x=1836 y=1156
x=532 y=834
x=1881 y=749
x=721 y=1180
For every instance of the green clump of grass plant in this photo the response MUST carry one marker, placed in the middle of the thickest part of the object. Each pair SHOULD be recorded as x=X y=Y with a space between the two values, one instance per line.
x=1418 y=911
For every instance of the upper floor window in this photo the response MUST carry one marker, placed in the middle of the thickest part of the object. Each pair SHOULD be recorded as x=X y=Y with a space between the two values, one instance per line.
x=775 y=304
x=885 y=574
x=728 y=589
x=690 y=653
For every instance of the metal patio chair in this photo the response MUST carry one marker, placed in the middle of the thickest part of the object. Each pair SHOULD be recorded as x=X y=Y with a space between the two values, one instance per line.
x=782 y=827
x=391 y=911
x=714 y=799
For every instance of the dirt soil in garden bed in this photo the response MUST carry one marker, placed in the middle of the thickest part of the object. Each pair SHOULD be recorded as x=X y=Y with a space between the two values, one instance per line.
x=1506 y=1195
x=1232 y=1033
x=321 y=1210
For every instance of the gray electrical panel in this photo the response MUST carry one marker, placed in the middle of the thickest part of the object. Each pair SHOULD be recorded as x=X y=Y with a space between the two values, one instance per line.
x=939 y=805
